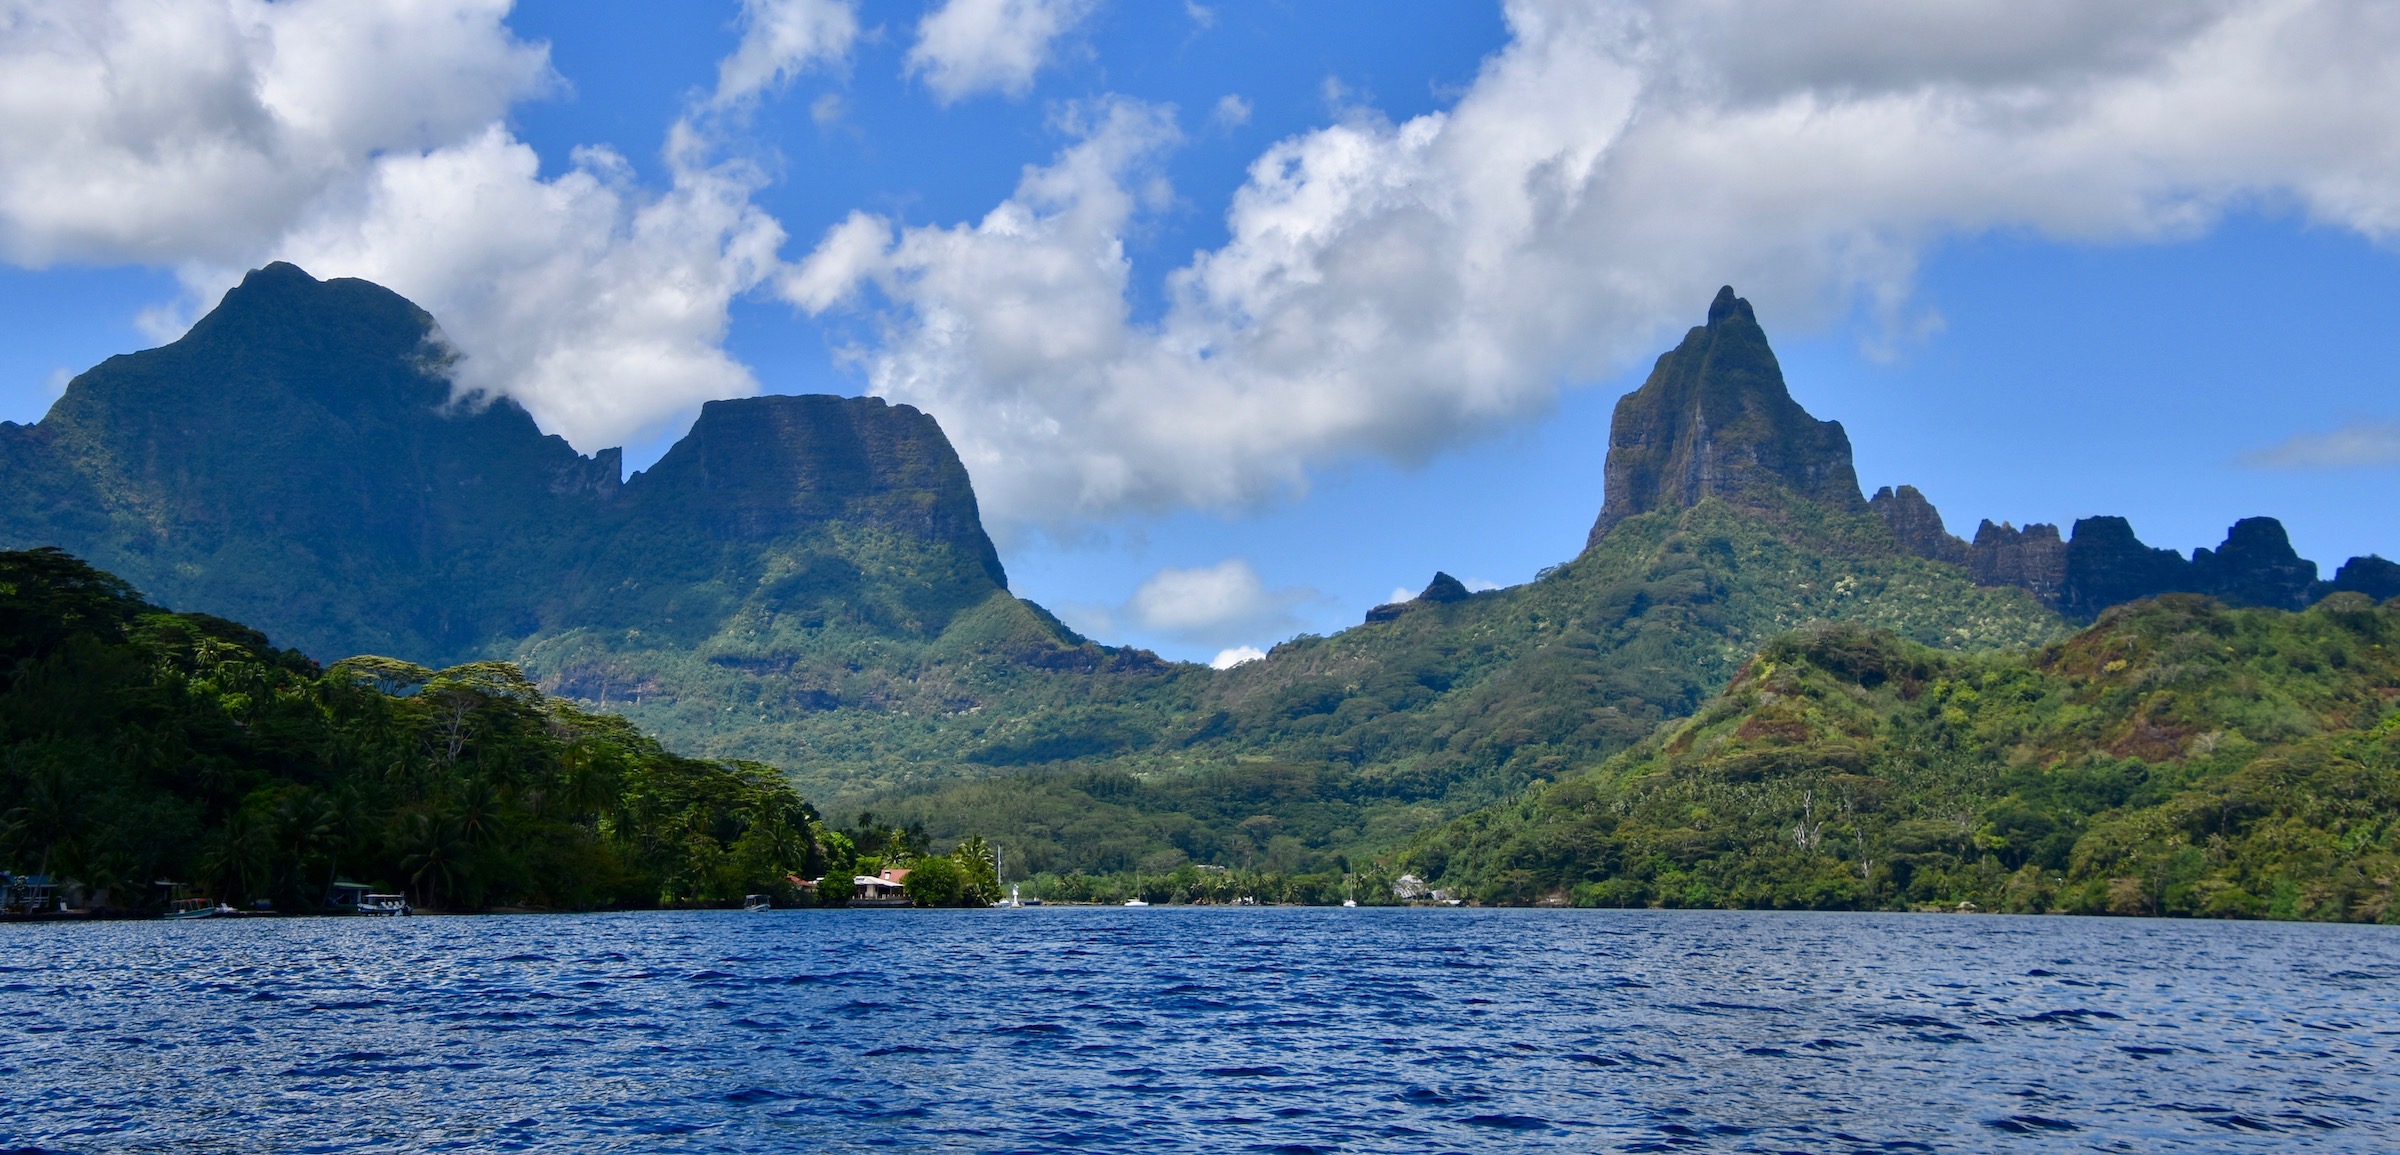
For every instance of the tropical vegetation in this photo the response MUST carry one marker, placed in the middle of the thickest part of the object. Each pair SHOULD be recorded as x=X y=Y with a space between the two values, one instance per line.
x=139 y=746
x=2176 y=758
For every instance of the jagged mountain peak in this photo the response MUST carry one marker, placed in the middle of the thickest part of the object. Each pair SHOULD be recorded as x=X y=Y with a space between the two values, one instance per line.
x=1715 y=419
x=1916 y=525
x=1442 y=590
x=1727 y=306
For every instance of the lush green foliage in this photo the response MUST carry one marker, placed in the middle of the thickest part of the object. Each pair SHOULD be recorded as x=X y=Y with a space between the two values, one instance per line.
x=1217 y=886
x=1342 y=747
x=137 y=744
x=2178 y=757
x=805 y=581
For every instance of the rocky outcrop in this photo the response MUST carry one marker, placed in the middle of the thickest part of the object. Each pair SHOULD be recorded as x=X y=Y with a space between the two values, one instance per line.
x=2370 y=575
x=2103 y=564
x=2108 y=566
x=1916 y=525
x=1714 y=419
x=762 y=467
x=2033 y=559
x=2256 y=566
x=1442 y=590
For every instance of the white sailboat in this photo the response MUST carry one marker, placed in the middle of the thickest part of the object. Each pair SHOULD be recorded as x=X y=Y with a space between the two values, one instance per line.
x=1011 y=902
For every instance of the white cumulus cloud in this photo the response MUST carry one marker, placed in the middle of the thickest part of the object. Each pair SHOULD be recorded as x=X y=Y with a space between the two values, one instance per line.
x=782 y=39
x=1394 y=288
x=1230 y=657
x=368 y=138
x=600 y=306
x=168 y=131
x=2362 y=442
x=1222 y=604
x=1231 y=112
x=968 y=47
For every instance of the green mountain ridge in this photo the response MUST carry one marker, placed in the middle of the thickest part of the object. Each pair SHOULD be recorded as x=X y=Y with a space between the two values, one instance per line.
x=804 y=581
x=297 y=460
x=1346 y=745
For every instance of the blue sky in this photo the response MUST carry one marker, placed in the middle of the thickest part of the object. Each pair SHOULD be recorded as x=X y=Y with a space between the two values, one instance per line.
x=2175 y=307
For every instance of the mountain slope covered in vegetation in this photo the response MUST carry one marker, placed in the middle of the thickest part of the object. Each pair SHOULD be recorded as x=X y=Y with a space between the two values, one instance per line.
x=2179 y=757
x=804 y=581
x=1344 y=745
x=138 y=745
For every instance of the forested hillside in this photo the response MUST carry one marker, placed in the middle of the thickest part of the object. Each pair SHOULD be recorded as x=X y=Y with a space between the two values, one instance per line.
x=2178 y=757
x=805 y=582
x=1342 y=746
x=139 y=745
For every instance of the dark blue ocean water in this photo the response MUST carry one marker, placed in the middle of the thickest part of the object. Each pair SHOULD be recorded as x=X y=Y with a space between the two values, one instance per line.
x=1179 y=1029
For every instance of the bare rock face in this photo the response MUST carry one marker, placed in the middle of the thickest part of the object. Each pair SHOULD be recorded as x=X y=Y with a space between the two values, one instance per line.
x=759 y=468
x=2256 y=567
x=2103 y=564
x=2033 y=558
x=1715 y=420
x=2370 y=575
x=1916 y=525
x=2107 y=566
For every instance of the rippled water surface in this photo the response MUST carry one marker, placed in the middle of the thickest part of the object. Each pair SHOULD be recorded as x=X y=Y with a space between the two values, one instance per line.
x=1199 y=1029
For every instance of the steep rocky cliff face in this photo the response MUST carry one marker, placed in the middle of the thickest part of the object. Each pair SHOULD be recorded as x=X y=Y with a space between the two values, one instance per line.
x=1714 y=419
x=2104 y=564
x=1916 y=525
x=2108 y=566
x=2256 y=567
x=2033 y=559
x=296 y=461
x=2370 y=575
x=761 y=467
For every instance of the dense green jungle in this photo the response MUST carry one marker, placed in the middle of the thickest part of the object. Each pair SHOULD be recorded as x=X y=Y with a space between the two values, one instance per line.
x=1339 y=749
x=139 y=746
x=2178 y=758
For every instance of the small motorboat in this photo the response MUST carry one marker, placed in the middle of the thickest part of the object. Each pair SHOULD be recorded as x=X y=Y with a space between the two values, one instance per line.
x=753 y=903
x=388 y=905
x=181 y=905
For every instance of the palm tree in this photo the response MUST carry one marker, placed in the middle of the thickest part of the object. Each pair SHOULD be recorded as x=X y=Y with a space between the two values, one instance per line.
x=434 y=855
x=240 y=861
x=981 y=867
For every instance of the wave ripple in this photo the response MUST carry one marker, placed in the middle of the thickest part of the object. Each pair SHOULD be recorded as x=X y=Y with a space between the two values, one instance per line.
x=1174 y=1029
